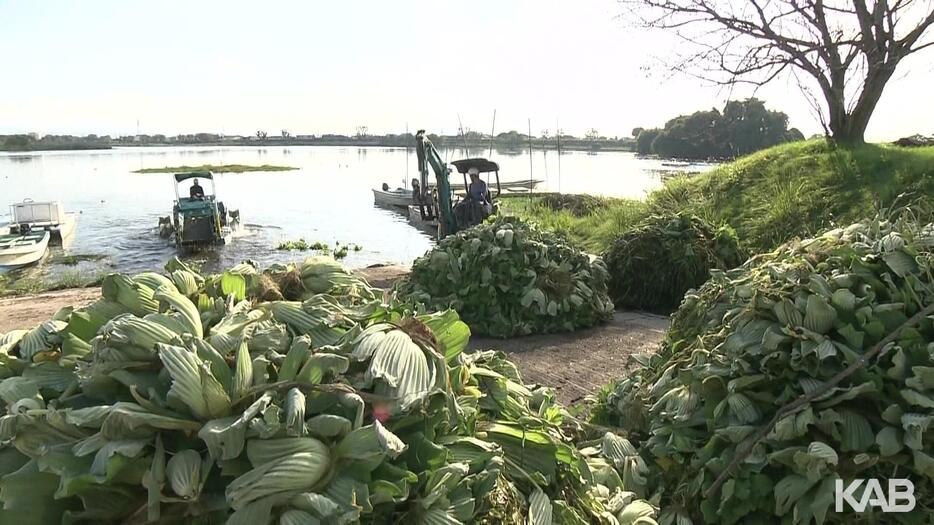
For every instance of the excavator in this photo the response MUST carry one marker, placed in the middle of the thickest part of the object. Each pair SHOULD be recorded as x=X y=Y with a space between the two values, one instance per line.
x=440 y=203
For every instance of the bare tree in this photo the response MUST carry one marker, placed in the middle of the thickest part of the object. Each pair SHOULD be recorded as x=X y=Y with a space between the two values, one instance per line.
x=362 y=131
x=261 y=135
x=286 y=134
x=848 y=48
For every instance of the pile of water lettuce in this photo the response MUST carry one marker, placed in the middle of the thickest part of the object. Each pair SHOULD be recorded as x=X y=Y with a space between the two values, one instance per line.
x=293 y=395
x=508 y=277
x=805 y=367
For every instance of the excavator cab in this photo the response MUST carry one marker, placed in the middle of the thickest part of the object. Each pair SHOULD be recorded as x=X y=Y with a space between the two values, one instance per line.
x=473 y=209
x=454 y=211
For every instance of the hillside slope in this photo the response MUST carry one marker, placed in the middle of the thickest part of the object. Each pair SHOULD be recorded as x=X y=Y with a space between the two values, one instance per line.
x=801 y=188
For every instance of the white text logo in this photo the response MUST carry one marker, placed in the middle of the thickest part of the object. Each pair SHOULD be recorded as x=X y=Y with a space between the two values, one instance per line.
x=900 y=498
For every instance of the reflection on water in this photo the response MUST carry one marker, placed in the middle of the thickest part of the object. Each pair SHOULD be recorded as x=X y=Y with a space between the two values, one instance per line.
x=327 y=199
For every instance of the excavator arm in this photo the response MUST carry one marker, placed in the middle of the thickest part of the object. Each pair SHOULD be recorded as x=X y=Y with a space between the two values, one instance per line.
x=429 y=156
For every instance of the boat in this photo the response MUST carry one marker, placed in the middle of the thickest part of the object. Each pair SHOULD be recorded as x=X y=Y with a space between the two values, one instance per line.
x=398 y=197
x=31 y=216
x=23 y=249
x=199 y=220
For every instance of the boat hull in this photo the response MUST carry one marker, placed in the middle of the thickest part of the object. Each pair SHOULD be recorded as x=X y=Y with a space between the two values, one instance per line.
x=398 y=199
x=16 y=254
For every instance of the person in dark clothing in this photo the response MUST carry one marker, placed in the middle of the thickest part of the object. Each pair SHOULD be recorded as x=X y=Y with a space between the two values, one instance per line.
x=196 y=191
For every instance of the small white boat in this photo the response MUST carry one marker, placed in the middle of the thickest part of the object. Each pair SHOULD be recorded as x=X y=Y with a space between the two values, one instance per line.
x=18 y=250
x=49 y=216
x=400 y=198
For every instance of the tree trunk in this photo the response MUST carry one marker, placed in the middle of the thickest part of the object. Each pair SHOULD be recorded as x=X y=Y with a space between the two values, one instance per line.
x=849 y=127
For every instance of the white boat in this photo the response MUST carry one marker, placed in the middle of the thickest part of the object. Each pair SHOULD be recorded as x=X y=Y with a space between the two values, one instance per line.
x=398 y=197
x=49 y=216
x=18 y=250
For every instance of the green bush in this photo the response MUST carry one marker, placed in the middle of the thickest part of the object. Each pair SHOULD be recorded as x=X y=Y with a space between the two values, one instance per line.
x=507 y=277
x=653 y=265
x=807 y=323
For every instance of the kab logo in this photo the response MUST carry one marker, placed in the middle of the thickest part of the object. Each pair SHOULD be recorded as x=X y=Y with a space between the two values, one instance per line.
x=900 y=496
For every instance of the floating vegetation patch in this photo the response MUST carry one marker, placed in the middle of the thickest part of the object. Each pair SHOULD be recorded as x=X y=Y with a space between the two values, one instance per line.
x=217 y=168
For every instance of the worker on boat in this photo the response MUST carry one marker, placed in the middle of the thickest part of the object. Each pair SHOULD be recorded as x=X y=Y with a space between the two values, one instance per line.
x=196 y=191
x=477 y=191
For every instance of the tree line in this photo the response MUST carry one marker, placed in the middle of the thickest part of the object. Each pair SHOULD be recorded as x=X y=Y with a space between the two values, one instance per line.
x=742 y=127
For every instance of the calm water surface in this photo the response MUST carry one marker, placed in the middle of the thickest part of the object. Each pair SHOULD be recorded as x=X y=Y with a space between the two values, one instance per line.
x=327 y=199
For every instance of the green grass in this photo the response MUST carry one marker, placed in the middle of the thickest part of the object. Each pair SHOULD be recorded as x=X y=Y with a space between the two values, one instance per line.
x=216 y=168
x=593 y=231
x=797 y=189
x=33 y=285
x=769 y=197
x=75 y=259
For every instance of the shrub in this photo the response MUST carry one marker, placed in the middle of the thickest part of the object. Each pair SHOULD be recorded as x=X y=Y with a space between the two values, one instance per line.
x=653 y=265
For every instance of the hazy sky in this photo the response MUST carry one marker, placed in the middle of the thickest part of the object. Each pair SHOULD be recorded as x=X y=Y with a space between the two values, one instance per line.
x=314 y=67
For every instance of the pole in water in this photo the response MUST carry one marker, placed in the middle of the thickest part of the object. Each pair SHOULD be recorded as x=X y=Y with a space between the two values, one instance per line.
x=558 y=134
x=492 y=130
x=463 y=135
x=405 y=179
x=530 y=159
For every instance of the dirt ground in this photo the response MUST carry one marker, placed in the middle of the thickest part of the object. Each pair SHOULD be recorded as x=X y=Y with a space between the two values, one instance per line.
x=577 y=364
x=29 y=310
x=574 y=364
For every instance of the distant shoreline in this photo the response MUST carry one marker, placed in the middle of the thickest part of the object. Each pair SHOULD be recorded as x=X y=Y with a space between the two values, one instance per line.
x=537 y=145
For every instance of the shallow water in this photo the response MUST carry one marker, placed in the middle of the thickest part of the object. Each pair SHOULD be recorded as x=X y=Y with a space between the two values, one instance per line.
x=327 y=199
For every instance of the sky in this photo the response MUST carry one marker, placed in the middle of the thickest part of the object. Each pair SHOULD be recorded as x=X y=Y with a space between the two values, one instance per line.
x=312 y=67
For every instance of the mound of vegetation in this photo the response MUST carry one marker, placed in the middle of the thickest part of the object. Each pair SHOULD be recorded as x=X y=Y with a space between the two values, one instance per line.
x=180 y=398
x=804 y=366
x=507 y=277
x=576 y=205
x=653 y=265
x=796 y=190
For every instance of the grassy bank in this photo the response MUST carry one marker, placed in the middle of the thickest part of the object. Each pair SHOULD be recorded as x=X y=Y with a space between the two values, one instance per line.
x=768 y=197
x=217 y=168
x=28 y=285
x=592 y=228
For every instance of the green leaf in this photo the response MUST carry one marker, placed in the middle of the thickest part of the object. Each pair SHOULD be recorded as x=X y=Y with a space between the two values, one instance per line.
x=293 y=473
x=451 y=333
x=539 y=508
x=233 y=284
x=184 y=473
x=243 y=372
x=28 y=497
x=370 y=442
x=262 y=451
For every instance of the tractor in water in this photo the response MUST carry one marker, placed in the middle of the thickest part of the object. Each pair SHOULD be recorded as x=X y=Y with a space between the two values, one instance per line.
x=198 y=220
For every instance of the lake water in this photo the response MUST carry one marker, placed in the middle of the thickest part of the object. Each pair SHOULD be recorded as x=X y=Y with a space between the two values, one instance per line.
x=327 y=199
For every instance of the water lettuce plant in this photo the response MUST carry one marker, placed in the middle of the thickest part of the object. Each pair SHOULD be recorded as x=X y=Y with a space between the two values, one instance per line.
x=181 y=398
x=805 y=366
x=507 y=277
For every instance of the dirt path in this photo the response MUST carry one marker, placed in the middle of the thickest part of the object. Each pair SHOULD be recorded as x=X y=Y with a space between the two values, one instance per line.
x=579 y=363
x=30 y=310
x=574 y=364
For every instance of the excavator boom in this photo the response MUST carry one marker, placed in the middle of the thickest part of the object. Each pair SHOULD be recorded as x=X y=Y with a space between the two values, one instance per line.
x=429 y=156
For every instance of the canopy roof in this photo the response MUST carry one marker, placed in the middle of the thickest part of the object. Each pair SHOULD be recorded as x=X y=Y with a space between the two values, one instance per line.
x=179 y=177
x=485 y=166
